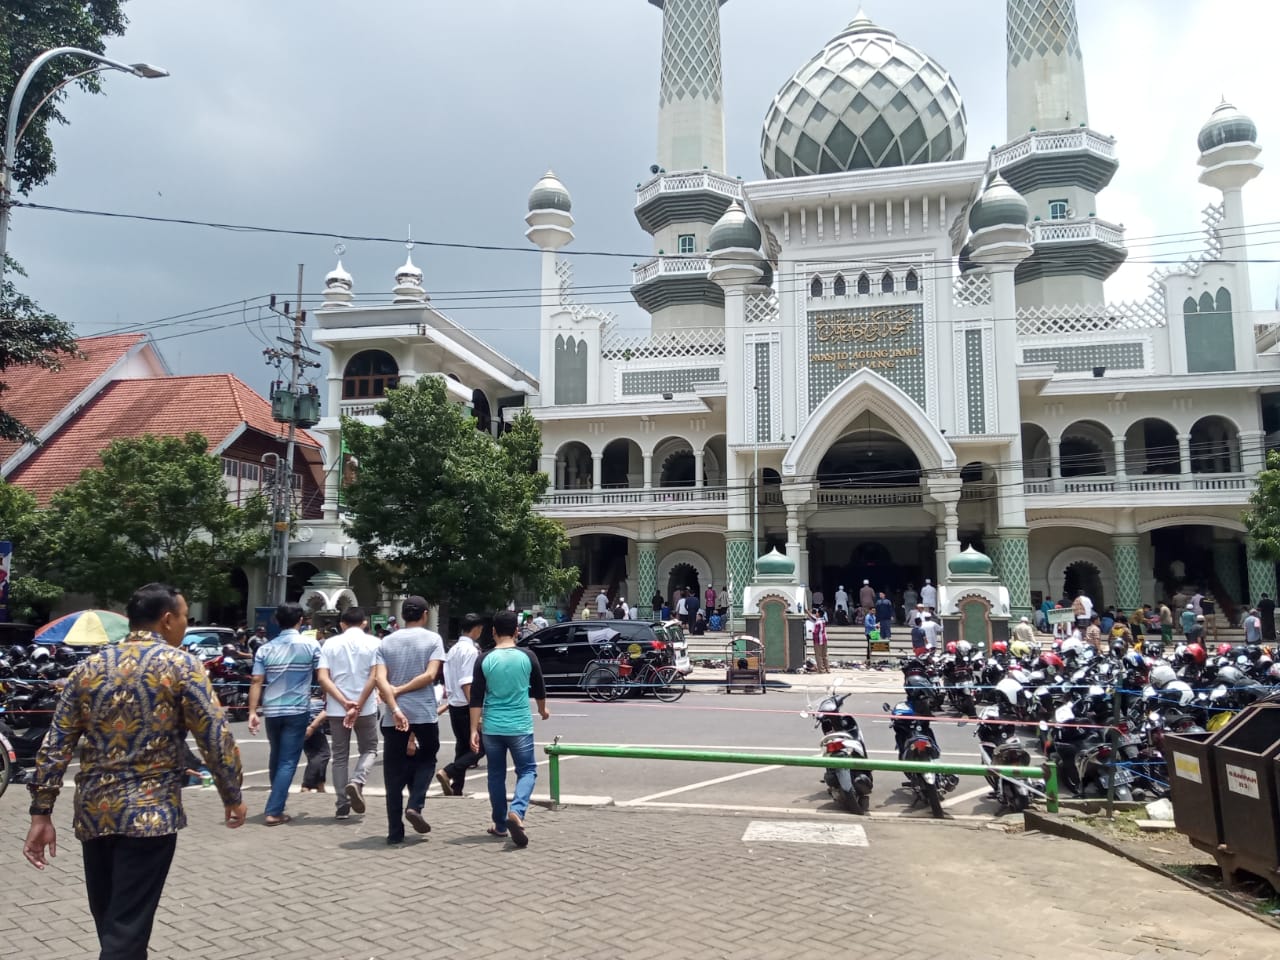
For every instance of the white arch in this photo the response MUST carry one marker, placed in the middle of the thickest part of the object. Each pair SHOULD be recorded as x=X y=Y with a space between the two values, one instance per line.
x=605 y=528
x=1082 y=523
x=1057 y=571
x=866 y=391
x=1192 y=519
x=676 y=557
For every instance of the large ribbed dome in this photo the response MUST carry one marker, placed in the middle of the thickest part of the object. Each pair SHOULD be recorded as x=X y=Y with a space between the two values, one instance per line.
x=866 y=100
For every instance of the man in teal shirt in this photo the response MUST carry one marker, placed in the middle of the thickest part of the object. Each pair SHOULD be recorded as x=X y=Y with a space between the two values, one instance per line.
x=504 y=680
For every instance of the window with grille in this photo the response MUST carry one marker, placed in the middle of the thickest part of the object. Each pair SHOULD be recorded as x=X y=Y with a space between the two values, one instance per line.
x=685 y=244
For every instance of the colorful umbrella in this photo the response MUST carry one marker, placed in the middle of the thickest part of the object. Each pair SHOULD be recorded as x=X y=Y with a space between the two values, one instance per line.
x=88 y=628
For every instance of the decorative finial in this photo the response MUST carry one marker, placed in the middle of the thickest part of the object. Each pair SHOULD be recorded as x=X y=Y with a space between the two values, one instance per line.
x=339 y=249
x=409 y=241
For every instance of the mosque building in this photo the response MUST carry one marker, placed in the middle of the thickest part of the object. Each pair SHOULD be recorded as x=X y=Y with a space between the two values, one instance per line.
x=880 y=352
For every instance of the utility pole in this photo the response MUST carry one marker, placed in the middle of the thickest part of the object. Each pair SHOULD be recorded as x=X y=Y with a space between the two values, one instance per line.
x=288 y=405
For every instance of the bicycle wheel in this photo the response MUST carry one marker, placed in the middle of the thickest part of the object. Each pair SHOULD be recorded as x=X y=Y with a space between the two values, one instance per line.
x=6 y=763
x=600 y=682
x=668 y=684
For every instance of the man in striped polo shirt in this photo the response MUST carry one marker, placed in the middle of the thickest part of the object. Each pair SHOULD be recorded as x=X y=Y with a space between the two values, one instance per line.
x=283 y=670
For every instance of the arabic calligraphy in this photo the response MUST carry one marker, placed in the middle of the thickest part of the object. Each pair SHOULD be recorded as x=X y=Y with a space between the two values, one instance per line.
x=864 y=328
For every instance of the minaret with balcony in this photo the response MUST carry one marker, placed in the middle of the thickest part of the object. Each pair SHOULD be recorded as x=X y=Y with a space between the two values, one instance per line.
x=688 y=192
x=1055 y=159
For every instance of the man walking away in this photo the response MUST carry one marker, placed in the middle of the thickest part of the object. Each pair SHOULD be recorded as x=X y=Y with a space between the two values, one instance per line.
x=316 y=747
x=1252 y=627
x=505 y=678
x=602 y=605
x=459 y=670
x=405 y=672
x=129 y=709
x=867 y=597
x=346 y=676
x=1267 y=614
x=283 y=669
x=929 y=595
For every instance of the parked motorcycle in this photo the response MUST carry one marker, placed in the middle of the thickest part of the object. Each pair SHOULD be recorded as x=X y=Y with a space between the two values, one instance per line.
x=915 y=741
x=999 y=745
x=841 y=737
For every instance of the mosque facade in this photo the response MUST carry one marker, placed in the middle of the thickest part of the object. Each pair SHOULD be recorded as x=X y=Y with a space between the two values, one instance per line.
x=880 y=352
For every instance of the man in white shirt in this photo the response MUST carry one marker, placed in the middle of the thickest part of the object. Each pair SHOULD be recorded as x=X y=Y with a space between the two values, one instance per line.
x=539 y=622
x=842 y=600
x=346 y=662
x=602 y=605
x=929 y=595
x=682 y=610
x=932 y=630
x=459 y=670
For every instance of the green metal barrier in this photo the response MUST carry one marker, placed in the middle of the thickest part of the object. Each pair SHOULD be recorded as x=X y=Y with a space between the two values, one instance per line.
x=555 y=750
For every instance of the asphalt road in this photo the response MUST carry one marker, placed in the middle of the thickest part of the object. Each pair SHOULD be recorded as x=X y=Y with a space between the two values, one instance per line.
x=705 y=718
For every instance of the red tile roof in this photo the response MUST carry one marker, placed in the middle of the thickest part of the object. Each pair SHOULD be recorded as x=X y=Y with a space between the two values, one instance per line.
x=215 y=405
x=36 y=396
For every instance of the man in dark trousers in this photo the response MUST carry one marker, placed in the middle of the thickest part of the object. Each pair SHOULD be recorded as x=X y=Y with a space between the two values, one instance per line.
x=128 y=710
x=1267 y=613
x=459 y=670
x=405 y=671
x=884 y=615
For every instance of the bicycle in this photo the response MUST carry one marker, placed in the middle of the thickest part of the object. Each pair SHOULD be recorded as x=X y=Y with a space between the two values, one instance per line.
x=607 y=680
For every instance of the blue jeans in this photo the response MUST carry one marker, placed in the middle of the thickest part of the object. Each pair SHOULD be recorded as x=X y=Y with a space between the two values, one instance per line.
x=286 y=736
x=496 y=748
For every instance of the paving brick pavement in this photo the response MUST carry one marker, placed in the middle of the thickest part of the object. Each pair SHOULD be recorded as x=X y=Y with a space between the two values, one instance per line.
x=606 y=883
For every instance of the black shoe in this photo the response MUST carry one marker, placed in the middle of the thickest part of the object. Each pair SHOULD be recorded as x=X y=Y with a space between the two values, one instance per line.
x=355 y=796
x=342 y=813
x=395 y=841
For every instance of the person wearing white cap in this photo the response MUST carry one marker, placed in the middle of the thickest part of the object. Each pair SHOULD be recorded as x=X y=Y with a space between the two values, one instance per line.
x=932 y=631
x=866 y=597
x=929 y=595
x=1188 y=618
x=1025 y=632
x=842 y=600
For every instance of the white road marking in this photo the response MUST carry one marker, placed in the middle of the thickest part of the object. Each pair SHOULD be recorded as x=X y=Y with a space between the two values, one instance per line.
x=961 y=797
x=727 y=747
x=704 y=783
x=792 y=831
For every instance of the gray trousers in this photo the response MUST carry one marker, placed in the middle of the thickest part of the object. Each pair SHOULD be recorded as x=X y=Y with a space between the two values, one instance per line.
x=366 y=731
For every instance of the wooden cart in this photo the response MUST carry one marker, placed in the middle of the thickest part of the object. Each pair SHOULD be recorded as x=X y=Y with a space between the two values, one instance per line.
x=744 y=665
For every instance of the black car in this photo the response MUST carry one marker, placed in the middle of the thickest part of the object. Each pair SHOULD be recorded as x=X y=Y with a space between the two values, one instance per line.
x=564 y=649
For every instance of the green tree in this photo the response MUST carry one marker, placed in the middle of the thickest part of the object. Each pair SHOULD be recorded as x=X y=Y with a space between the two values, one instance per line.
x=1263 y=520
x=27 y=29
x=156 y=509
x=23 y=524
x=443 y=510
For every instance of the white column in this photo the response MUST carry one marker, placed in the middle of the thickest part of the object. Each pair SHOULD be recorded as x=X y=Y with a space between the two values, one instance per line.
x=793 y=534
x=597 y=470
x=940 y=553
x=697 y=468
x=1117 y=444
x=648 y=471
x=1055 y=464
x=1184 y=457
x=802 y=558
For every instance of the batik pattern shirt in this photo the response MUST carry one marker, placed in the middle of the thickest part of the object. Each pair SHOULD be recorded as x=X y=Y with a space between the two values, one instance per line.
x=129 y=709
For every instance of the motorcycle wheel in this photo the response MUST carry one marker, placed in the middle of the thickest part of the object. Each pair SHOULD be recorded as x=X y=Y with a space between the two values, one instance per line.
x=935 y=800
x=1019 y=802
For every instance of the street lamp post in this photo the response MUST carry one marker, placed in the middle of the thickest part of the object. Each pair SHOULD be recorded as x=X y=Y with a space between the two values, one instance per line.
x=12 y=132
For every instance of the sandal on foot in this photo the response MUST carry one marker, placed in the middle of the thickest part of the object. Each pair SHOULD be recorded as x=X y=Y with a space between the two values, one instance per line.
x=495 y=832
x=516 y=826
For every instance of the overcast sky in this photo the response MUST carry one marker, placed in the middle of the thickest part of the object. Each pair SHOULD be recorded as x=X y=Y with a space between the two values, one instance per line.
x=364 y=118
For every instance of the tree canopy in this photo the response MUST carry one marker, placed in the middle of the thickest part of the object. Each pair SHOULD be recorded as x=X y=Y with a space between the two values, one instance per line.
x=156 y=509
x=23 y=524
x=443 y=510
x=1263 y=519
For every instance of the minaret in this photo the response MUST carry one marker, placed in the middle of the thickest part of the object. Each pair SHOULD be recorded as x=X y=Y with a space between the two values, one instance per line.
x=691 y=101
x=688 y=192
x=1046 y=68
x=1055 y=160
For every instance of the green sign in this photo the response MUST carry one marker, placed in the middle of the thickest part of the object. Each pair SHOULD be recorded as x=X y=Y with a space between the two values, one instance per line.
x=888 y=340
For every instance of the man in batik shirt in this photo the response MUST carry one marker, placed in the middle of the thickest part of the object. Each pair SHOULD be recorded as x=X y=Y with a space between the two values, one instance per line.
x=129 y=710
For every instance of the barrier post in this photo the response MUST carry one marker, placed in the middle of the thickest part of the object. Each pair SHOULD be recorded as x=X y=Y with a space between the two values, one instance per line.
x=553 y=772
x=1050 y=787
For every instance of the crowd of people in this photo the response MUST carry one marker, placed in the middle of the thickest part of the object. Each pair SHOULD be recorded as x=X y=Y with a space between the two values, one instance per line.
x=125 y=714
x=876 y=613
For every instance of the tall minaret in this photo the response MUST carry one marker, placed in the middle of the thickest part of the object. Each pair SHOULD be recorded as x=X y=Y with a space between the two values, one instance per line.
x=689 y=191
x=691 y=103
x=1046 y=69
x=1055 y=160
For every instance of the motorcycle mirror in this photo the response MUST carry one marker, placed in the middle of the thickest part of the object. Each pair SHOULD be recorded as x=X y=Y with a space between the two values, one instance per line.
x=885 y=707
x=805 y=714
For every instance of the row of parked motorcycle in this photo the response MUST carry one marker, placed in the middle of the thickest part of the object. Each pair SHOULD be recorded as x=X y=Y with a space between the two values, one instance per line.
x=1099 y=715
x=31 y=680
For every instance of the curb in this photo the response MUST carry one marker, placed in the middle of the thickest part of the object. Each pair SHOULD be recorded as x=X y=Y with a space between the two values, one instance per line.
x=1057 y=826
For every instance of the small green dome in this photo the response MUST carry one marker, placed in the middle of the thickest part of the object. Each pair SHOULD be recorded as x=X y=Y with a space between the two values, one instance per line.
x=734 y=230
x=326 y=580
x=970 y=563
x=999 y=205
x=1226 y=125
x=550 y=194
x=775 y=564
